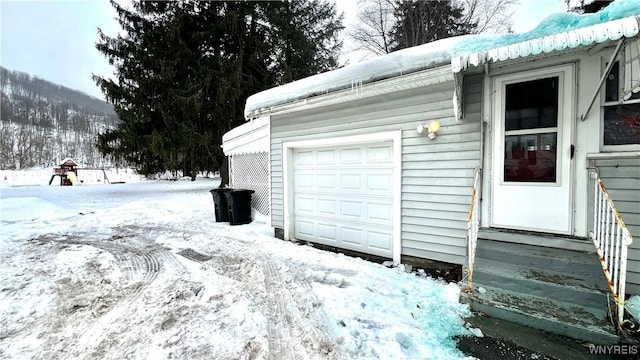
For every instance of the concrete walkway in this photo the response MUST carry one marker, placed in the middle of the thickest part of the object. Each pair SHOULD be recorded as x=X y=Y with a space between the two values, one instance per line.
x=509 y=341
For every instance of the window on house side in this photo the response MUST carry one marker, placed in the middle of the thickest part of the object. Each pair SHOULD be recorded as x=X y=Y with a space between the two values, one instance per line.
x=621 y=120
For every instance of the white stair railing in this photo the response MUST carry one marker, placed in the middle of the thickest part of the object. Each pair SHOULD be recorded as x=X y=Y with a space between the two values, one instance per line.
x=612 y=240
x=473 y=225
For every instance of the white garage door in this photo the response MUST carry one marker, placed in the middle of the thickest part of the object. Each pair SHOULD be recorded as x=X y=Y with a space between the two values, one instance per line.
x=343 y=196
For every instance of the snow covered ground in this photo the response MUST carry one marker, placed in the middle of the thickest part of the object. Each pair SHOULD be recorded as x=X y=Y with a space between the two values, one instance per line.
x=141 y=270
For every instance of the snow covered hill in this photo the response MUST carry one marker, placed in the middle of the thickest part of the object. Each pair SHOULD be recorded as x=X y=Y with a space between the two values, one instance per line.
x=43 y=123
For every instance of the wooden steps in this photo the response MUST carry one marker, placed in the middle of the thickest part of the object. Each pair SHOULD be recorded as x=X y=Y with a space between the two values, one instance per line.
x=559 y=288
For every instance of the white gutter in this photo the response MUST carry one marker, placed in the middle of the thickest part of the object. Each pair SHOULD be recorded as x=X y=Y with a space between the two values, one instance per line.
x=401 y=83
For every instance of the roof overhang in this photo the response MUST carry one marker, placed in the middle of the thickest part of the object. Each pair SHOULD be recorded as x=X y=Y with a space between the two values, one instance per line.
x=557 y=35
x=68 y=162
x=628 y=27
x=249 y=138
x=624 y=31
x=407 y=82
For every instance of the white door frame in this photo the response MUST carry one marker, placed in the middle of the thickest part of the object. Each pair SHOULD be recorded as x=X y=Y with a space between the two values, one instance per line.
x=566 y=130
x=287 y=177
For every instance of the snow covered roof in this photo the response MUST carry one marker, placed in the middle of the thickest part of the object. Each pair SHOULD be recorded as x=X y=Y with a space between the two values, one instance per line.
x=513 y=46
x=68 y=162
x=556 y=32
x=249 y=138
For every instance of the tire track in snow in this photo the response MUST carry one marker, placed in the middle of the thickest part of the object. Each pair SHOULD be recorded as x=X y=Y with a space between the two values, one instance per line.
x=290 y=305
x=281 y=342
x=140 y=263
x=140 y=266
x=298 y=306
x=296 y=327
x=326 y=344
x=144 y=270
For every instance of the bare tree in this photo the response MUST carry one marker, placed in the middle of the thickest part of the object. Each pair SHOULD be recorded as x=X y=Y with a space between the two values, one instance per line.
x=7 y=143
x=491 y=16
x=376 y=20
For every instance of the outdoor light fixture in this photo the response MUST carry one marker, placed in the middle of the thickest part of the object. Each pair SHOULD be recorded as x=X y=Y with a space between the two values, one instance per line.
x=432 y=128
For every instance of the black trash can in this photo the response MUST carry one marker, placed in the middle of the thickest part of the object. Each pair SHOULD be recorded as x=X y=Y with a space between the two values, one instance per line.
x=220 y=203
x=239 y=202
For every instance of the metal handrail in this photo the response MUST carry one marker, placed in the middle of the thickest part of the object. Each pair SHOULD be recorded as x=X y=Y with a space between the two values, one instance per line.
x=612 y=240
x=473 y=225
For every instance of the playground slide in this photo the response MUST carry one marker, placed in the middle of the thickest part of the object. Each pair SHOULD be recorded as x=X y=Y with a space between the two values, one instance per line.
x=72 y=178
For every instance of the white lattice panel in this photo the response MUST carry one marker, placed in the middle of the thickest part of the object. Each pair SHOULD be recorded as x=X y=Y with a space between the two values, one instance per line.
x=251 y=171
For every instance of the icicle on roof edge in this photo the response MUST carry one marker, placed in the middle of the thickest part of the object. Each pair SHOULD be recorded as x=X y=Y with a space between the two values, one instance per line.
x=458 y=49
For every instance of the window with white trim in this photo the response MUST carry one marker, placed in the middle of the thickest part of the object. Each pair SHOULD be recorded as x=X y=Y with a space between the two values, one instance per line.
x=621 y=118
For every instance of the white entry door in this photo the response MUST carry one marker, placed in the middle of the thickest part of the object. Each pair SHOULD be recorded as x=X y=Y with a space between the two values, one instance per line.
x=343 y=196
x=532 y=151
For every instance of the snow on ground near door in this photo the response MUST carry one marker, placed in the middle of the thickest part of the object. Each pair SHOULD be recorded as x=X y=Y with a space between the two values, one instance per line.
x=142 y=270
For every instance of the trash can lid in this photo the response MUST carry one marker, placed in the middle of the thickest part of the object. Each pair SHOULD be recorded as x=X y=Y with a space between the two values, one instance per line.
x=243 y=191
x=220 y=190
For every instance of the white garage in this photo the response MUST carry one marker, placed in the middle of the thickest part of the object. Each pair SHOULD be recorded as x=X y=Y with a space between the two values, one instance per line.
x=343 y=196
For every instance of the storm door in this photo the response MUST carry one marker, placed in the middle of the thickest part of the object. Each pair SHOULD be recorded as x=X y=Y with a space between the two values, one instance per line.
x=532 y=151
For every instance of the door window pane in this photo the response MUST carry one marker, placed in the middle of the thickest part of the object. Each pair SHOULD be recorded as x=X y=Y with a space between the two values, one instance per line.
x=532 y=104
x=530 y=158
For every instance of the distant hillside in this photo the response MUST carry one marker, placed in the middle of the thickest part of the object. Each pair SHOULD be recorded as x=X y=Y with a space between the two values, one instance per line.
x=42 y=122
x=21 y=91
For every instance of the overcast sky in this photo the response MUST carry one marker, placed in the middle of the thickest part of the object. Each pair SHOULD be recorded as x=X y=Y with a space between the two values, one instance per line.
x=55 y=39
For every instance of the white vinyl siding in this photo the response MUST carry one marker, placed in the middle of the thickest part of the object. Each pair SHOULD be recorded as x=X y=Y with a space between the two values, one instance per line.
x=436 y=174
x=437 y=179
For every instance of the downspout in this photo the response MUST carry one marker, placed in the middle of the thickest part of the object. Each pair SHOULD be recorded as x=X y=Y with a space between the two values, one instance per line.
x=483 y=131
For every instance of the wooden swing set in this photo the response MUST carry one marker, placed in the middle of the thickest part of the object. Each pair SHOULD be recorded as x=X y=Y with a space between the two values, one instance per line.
x=68 y=173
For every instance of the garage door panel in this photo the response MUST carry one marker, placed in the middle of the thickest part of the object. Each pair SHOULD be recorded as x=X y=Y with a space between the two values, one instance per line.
x=380 y=241
x=305 y=205
x=351 y=156
x=327 y=207
x=327 y=233
x=327 y=157
x=305 y=229
x=352 y=236
x=379 y=212
x=350 y=182
x=352 y=209
x=344 y=197
x=380 y=182
x=306 y=182
x=304 y=157
x=326 y=181
x=377 y=154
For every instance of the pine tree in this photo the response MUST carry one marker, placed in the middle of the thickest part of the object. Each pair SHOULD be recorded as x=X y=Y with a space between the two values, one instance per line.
x=184 y=70
x=421 y=22
x=303 y=30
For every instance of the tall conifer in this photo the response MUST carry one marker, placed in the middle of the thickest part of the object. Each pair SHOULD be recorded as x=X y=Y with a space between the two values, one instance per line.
x=184 y=70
